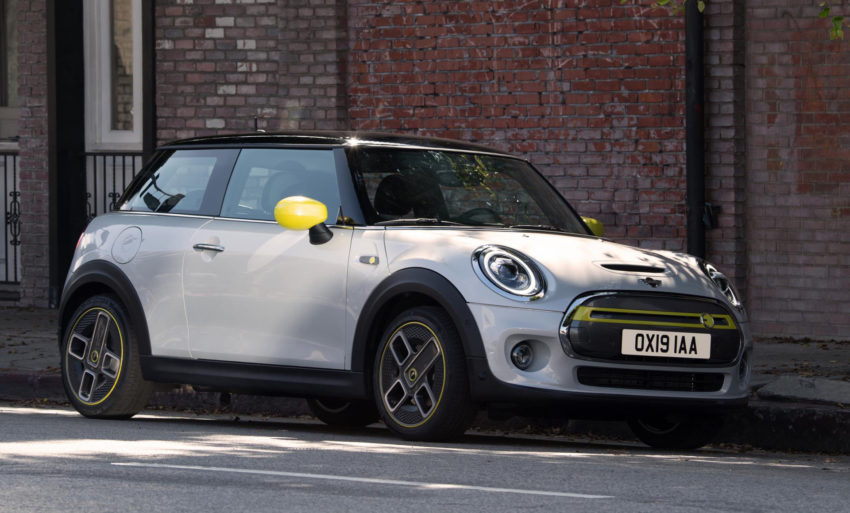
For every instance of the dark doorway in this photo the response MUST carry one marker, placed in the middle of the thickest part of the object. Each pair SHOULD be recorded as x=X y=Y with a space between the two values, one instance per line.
x=66 y=136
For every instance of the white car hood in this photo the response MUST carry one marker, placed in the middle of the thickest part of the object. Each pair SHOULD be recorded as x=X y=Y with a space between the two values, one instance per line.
x=572 y=265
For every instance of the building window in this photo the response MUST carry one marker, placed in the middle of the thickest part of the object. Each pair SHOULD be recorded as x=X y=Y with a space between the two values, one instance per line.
x=113 y=53
x=8 y=71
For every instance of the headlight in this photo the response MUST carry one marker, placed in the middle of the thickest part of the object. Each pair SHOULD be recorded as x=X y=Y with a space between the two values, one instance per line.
x=508 y=272
x=722 y=282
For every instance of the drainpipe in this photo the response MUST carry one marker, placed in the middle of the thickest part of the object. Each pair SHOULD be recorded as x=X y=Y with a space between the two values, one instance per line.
x=694 y=129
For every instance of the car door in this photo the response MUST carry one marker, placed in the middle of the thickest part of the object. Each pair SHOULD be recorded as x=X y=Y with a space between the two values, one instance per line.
x=256 y=292
x=175 y=195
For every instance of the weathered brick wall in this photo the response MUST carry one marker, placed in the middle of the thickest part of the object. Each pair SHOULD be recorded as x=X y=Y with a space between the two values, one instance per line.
x=314 y=48
x=216 y=65
x=798 y=171
x=32 y=128
x=222 y=63
x=725 y=112
x=591 y=91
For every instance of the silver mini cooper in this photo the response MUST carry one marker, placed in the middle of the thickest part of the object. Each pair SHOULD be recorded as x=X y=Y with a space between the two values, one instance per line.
x=449 y=277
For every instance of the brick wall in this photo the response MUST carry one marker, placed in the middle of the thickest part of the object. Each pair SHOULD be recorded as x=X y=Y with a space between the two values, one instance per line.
x=216 y=64
x=725 y=73
x=222 y=63
x=798 y=179
x=592 y=92
x=32 y=128
x=314 y=46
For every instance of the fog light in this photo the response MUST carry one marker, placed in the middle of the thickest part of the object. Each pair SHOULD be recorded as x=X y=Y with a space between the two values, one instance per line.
x=522 y=355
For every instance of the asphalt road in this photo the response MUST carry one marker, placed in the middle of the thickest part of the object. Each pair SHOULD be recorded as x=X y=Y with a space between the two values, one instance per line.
x=52 y=459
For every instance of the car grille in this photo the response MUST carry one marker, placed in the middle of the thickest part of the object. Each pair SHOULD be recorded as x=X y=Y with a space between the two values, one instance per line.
x=593 y=329
x=650 y=380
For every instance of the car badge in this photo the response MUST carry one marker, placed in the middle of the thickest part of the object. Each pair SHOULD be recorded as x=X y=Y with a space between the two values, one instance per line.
x=707 y=320
x=652 y=282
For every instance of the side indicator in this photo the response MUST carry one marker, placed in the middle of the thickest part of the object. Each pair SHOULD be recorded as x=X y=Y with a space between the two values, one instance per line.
x=369 y=260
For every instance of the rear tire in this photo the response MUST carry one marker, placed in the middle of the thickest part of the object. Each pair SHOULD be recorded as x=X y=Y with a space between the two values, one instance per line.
x=100 y=361
x=420 y=381
x=676 y=432
x=343 y=413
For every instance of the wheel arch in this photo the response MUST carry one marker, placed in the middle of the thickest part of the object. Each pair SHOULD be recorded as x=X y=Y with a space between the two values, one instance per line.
x=101 y=277
x=405 y=289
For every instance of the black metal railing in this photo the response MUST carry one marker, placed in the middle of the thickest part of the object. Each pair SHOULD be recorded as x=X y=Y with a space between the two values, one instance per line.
x=10 y=241
x=107 y=175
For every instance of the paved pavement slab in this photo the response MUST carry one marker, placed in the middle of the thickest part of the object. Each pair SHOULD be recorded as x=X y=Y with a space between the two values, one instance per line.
x=796 y=388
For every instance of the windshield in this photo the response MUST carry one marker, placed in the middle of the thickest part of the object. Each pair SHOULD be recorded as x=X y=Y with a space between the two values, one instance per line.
x=404 y=186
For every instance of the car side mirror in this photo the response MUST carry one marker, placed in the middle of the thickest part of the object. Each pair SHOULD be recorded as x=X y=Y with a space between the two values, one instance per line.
x=303 y=213
x=594 y=225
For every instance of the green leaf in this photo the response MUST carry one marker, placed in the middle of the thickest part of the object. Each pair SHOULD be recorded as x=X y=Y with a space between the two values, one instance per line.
x=624 y=2
x=662 y=3
x=824 y=12
x=701 y=6
x=837 y=30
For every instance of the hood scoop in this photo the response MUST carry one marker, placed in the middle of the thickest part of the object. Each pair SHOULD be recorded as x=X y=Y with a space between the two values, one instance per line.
x=634 y=268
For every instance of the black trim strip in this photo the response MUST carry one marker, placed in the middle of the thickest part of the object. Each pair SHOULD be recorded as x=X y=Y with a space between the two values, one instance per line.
x=252 y=378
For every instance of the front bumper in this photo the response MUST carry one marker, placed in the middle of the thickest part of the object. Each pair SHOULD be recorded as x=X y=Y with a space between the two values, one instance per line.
x=559 y=374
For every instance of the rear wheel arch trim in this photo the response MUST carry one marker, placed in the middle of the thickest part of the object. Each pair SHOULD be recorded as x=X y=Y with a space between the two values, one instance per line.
x=419 y=281
x=107 y=275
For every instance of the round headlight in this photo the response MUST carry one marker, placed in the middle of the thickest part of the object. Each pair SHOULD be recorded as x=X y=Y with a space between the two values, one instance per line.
x=722 y=282
x=513 y=274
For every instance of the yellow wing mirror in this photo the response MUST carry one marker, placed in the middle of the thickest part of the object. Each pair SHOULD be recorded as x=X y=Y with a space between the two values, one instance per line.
x=594 y=225
x=303 y=213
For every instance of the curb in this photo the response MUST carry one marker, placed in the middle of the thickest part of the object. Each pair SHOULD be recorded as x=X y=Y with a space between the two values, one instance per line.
x=25 y=387
x=764 y=424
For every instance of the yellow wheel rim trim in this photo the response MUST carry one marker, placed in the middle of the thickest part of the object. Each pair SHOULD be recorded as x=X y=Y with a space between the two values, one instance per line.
x=445 y=372
x=120 y=363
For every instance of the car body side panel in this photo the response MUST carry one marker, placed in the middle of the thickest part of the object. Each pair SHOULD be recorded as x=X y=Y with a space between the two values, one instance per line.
x=154 y=269
x=269 y=297
x=364 y=275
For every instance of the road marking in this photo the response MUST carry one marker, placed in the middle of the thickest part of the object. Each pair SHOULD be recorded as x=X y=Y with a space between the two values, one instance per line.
x=370 y=480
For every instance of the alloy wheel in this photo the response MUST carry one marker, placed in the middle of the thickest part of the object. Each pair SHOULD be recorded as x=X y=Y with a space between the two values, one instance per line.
x=412 y=374
x=95 y=353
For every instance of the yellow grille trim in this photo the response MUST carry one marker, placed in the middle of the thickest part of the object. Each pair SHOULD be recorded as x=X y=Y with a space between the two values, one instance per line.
x=584 y=313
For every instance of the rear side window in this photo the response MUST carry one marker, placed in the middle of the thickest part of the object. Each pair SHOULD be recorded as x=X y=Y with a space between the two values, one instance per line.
x=262 y=177
x=186 y=182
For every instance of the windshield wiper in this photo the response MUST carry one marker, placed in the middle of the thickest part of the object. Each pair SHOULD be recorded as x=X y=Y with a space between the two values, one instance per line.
x=548 y=227
x=419 y=221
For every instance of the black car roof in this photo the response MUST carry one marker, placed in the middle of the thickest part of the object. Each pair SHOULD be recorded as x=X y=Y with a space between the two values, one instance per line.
x=327 y=138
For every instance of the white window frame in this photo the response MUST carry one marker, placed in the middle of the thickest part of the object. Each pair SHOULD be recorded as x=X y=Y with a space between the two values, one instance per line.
x=98 y=79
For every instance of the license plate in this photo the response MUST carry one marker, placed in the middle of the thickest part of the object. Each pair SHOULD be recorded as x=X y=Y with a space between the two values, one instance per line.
x=668 y=344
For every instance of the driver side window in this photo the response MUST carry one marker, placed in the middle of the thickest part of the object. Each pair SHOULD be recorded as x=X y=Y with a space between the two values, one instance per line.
x=187 y=182
x=262 y=177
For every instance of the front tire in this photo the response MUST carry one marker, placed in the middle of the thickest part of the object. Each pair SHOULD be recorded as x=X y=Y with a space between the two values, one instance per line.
x=420 y=381
x=676 y=432
x=100 y=361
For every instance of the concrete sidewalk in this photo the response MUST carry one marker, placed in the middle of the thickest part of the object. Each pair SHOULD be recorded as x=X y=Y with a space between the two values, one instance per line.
x=801 y=398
